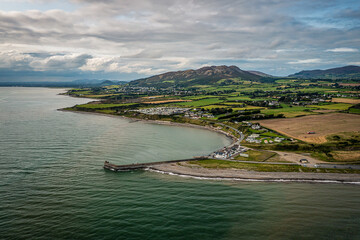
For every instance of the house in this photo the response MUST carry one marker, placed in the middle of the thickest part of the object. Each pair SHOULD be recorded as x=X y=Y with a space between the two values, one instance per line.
x=255 y=126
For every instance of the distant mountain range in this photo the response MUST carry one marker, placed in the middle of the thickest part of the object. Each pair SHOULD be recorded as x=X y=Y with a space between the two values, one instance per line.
x=75 y=83
x=347 y=72
x=230 y=75
x=209 y=76
x=214 y=75
x=99 y=82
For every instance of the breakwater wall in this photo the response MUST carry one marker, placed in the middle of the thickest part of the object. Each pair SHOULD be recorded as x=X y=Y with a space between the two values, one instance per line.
x=135 y=166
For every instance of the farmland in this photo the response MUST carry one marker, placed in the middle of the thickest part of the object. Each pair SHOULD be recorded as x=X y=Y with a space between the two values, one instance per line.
x=200 y=103
x=167 y=101
x=323 y=125
x=346 y=100
x=287 y=110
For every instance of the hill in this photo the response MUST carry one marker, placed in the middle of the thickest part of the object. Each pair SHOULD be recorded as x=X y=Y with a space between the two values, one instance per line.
x=347 y=72
x=214 y=75
x=98 y=82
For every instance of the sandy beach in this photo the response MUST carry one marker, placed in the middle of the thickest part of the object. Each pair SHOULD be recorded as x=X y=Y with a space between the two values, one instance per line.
x=190 y=170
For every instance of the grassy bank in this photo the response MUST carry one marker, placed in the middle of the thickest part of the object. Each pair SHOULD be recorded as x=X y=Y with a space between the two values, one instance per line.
x=223 y=164
x=342 y=147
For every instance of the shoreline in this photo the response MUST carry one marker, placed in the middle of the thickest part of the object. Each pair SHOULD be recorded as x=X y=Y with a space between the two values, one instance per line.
x=197 y=172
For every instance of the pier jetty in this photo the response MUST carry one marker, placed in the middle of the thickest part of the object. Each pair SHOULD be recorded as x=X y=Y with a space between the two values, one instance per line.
x=136 y=166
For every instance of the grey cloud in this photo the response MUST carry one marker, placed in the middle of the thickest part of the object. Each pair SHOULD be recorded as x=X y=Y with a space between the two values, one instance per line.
x=349 y=13
x=61 y=62
x=145 y=36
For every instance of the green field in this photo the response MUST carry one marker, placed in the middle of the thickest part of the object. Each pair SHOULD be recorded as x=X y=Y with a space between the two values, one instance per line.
x=354 y=110
x=216 y=106
x=257 y=156
x=103 y=106
x=198 y=97
x=247 y=108
x=288 y=111
x=333 y=106
x=199 y=103
x=259 y=167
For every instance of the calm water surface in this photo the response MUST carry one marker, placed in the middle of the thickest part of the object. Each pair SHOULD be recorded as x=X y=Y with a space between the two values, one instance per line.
x=52 y=185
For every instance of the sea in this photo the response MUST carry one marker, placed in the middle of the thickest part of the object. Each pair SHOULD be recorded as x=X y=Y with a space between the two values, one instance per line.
x=53 y=185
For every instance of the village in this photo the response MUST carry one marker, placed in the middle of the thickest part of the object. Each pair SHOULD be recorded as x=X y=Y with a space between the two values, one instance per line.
x=229 y=152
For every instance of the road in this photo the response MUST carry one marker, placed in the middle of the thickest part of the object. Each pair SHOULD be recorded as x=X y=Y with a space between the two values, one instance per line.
x=242 y=136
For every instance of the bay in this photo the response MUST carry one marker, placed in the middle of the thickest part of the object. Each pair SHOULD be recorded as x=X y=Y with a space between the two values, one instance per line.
x=52 y=185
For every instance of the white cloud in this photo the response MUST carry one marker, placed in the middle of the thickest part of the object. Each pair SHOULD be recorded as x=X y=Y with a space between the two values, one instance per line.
x=344 y=49
x=306 y=61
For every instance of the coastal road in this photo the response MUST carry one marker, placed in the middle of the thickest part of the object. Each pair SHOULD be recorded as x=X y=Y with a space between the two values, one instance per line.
x=242 y=136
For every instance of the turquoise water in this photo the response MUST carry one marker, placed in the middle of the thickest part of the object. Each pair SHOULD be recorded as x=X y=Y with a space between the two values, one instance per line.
x=52 y=185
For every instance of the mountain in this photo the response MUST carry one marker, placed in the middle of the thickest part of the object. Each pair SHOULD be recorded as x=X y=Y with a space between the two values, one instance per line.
x=347 y=72
x=98 y=82
x=214 y=75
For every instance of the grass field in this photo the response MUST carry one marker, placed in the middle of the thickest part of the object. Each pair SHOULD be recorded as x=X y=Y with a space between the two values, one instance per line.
x=334 y=106
x=245 y=98
x=259 y=167
x=200 y=103
x=288 y=111
x=354 y=110
x=346 y=156
x=247 y=108
x=323 y=125
x=216 y=106
x=166 y=101
x=259 y=156
x=199 y=97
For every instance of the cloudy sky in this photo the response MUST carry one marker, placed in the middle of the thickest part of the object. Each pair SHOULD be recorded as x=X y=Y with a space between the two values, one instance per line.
x=128 y=39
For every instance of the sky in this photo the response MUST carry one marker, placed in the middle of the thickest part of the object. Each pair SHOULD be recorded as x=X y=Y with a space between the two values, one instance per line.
x=63 y=40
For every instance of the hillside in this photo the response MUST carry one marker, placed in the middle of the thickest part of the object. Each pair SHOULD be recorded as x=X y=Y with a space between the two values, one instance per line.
x=347 y=72
x=214 y=75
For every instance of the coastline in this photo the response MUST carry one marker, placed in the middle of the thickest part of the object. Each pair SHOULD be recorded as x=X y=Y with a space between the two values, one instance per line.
x=193 y=171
